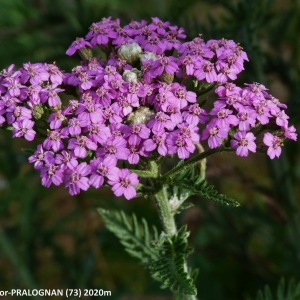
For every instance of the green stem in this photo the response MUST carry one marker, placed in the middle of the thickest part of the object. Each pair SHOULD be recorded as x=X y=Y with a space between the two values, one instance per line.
x=169 y=226
x=142 y=173
x=192 y=161
x=202 y=163
x=164 y=210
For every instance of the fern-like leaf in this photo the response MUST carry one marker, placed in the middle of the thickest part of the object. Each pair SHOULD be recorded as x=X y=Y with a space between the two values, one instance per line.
x=169 y=268
x=135 y=240
x=284 y=292
x=208 y=192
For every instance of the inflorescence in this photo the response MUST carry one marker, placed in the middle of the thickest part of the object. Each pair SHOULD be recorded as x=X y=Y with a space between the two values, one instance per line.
x=138 y=102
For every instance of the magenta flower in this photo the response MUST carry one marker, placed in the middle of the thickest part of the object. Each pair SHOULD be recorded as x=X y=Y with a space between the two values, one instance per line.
x=35 y=73
x=274 y=143
x=65 y=160
x=56 y=76
x=105 y=95
x=157 y=141
x=164 y=64
x=214 y=134
x=76 y=45
x=262 y=114
x=246 y=118
x=56 y=119
x=188 y=64
x=224 y=117
x=102 y=168
x=24 y=128
x=40 y=158
x=111 y=113
x=15 y=113
x=135 y=133
x=134 y=101
x=177 y=143
x=50 y=94
x=100 y=34
x=51 y=174
x=76 y=179
x=98 y=133
x=243 y=142
x=54 y=141
x=114 y=147
x=154 y=44
x=89 y=112
x=14 y=87
x=205 y=70
x=75 y=126
x=135 y=149
x=290 y=133
x=159 y=122
x=123 y=184
x=195 y=115
x=183 y=95
x=80 y=146
x=281 y=117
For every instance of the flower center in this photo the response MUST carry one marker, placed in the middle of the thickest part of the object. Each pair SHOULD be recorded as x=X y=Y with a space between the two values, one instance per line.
x=125 y=182
x=102 y=169
x=213 y=131
x=75 y=177
x=54 y=135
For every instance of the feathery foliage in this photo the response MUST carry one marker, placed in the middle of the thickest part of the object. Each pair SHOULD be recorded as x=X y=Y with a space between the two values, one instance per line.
x=208 y=192
x=290 y=291
x=136 y=241
x=169 y=269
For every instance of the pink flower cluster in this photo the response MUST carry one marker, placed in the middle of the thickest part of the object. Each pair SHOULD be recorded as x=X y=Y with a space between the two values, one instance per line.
x=134 y=104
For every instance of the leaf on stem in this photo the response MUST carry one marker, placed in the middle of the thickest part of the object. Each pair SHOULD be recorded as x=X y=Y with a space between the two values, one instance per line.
x=208 y=192
x=284 y=291
x=137 y=241
x=169 y=268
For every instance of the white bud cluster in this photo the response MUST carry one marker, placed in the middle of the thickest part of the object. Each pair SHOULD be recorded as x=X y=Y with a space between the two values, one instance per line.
x=148 y=55
x=132 y=75
x=130 y=52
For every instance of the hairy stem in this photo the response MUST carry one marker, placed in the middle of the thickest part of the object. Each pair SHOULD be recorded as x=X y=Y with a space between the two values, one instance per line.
x=164 y=211
x=202 y=162
x=169 y=226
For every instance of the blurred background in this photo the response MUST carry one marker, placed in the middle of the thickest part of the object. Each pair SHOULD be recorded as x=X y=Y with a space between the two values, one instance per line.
x=51 y=240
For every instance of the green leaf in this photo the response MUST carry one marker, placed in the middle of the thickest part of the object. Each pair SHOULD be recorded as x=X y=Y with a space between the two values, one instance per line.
x=200 y=188
x=28 y=151
x=290 y=292
x=178 y=195
x=170 y=267
x=137 y=242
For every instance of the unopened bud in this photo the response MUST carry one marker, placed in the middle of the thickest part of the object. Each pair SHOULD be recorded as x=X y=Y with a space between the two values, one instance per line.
x=140 y=116
x=132 y=75
x=130 y=52
x=37 y=111
x=85 y=53
x=148 y=55
x=168 y=78
x=106 y=49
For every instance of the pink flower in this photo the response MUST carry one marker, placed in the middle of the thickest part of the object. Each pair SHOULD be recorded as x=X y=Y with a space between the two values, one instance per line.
x=215 y=134
x=76 y=45
x=123 y=184
x=102 y=168
x=76 y=179
x=274 y=143
x=243 y=142
x=24 y=128
x=205 y=70
x=80 y=146
x=290 y=133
